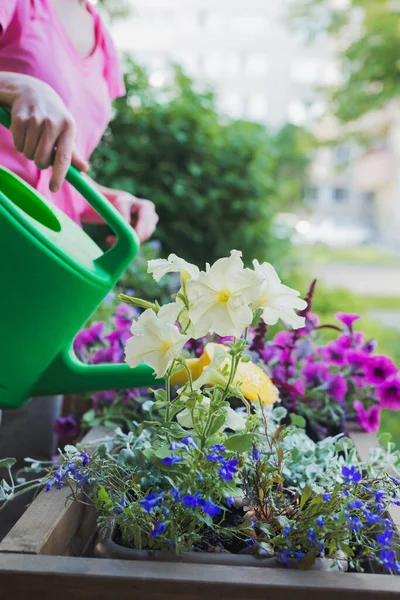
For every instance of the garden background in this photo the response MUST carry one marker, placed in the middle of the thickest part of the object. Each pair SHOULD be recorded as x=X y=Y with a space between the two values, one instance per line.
x=223 y=181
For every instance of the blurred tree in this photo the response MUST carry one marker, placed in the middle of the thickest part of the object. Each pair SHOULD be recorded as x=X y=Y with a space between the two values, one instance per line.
x=115 y=9
x=369 y=36
x=216 y=183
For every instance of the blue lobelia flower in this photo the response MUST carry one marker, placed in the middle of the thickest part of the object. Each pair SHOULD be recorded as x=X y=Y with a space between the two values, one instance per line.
x=372 y=519
x=355 y=523
x=199 y=476
x=312 y=536
x=189 y=441
x=250 y=541
x=356 y=504
x=215 y=457
x=385 y=538
x=175 y=493
x=351 y=474
x=49 y=484
x=211 y=509
x=320 y=521
x=379 y=495
x=327 y=497
x=190 y=501
x=218 y=448
x=151 y=501
x=286 y=531
x=228 y=469
x=171 y=460
x=388 y=558
x=256 y=453
x=229 y=501
x=159 y=529
x=85 y=459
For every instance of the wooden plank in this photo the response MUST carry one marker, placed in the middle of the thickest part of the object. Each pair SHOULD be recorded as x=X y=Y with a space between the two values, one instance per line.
x=50 y=523
x=101 y=579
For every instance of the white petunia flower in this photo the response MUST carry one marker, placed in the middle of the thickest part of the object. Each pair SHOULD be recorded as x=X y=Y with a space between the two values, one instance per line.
x=234 y=421
x=277 y=300
x=161 y=266
x=156 y=340
x=220 y=298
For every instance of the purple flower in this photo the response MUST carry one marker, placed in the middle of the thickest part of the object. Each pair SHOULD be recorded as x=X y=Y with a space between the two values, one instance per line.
x=379 y=368
x=87 y=337
x=124 y=316
x=389 y=393
x=357 y=359
x=49 y=484
x=229 y=501
x=228 y=469
x=218 y=448
x=337 y=387
x=283 y=339
x=347 y=318
x=369 y=419
x=66 y=427
x=315 y=373
x=320 y=521
x=370 y=346
x=112 y=354
x=327 y=497
x=118 y=338
x=175 y=493
x=151 y=501
x=159 y=529
x=171 y=460
x=388 y=558
x=85 y=459
x=211 y=509
x=334 y=353
x=351 y=474
x=256 y=453
x=385 y=538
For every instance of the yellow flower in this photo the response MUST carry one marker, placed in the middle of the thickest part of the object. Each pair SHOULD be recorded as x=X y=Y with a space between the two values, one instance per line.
x=256 y=385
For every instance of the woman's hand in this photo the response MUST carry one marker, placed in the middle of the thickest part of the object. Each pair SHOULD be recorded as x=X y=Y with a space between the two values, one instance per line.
x=42 y=127
x=139 y=212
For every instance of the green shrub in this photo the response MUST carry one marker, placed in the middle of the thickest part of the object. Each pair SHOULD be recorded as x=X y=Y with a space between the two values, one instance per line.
x=216 y=183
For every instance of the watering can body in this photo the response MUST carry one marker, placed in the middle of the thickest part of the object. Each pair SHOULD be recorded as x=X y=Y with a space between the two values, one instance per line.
x=53 y=278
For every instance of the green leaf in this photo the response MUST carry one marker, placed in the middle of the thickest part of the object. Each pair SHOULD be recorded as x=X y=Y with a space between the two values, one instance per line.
x=216 y=424
x=308 y=559
x=7 y=463
x=241 y=442
x=297 y=420
x=89 y=416
x=160 y=396
x=384 y=439
x=305 y=495
x=103 y=496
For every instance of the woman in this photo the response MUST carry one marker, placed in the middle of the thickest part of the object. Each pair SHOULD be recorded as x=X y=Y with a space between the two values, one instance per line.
x=59 y=73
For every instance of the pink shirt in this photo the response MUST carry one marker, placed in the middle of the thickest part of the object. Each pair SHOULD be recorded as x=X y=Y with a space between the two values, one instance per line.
x=34 y=42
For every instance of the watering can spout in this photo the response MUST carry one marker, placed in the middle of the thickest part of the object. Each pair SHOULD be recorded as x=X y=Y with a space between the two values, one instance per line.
x=67 y=374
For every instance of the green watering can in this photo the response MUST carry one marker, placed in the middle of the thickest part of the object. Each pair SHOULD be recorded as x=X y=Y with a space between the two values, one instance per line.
x=53 y=278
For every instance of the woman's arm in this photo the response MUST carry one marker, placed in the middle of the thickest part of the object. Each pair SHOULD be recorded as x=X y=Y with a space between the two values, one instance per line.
x=139 y=212
x=42 y=127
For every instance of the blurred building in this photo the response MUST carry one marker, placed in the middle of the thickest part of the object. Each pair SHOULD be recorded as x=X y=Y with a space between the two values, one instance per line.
x=263 y=71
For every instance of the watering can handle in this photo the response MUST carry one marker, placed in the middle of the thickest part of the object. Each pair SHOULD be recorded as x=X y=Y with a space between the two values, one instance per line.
x=127 y=241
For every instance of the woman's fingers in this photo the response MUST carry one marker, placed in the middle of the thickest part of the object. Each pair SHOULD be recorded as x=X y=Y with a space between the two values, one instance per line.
x=32 y=136
x=79 y=162
x=62 y=160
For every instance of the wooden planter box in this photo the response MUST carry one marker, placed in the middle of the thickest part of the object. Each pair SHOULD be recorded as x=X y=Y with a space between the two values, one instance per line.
x=48 y=553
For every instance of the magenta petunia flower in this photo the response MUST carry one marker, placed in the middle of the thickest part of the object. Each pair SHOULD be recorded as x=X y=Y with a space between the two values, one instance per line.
x=337 y=387
x=315 y=373
x=119 y=337
x=124 y=316
x=283 y=338
x=87 y=337
x=389 y=393
x=334 y=353
x=298 y=387
x=66 y=427
x=379 y=368
x=357 y=358
x=108 y=355
x=269 y=353
x=347 y=318
x=369 y=419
